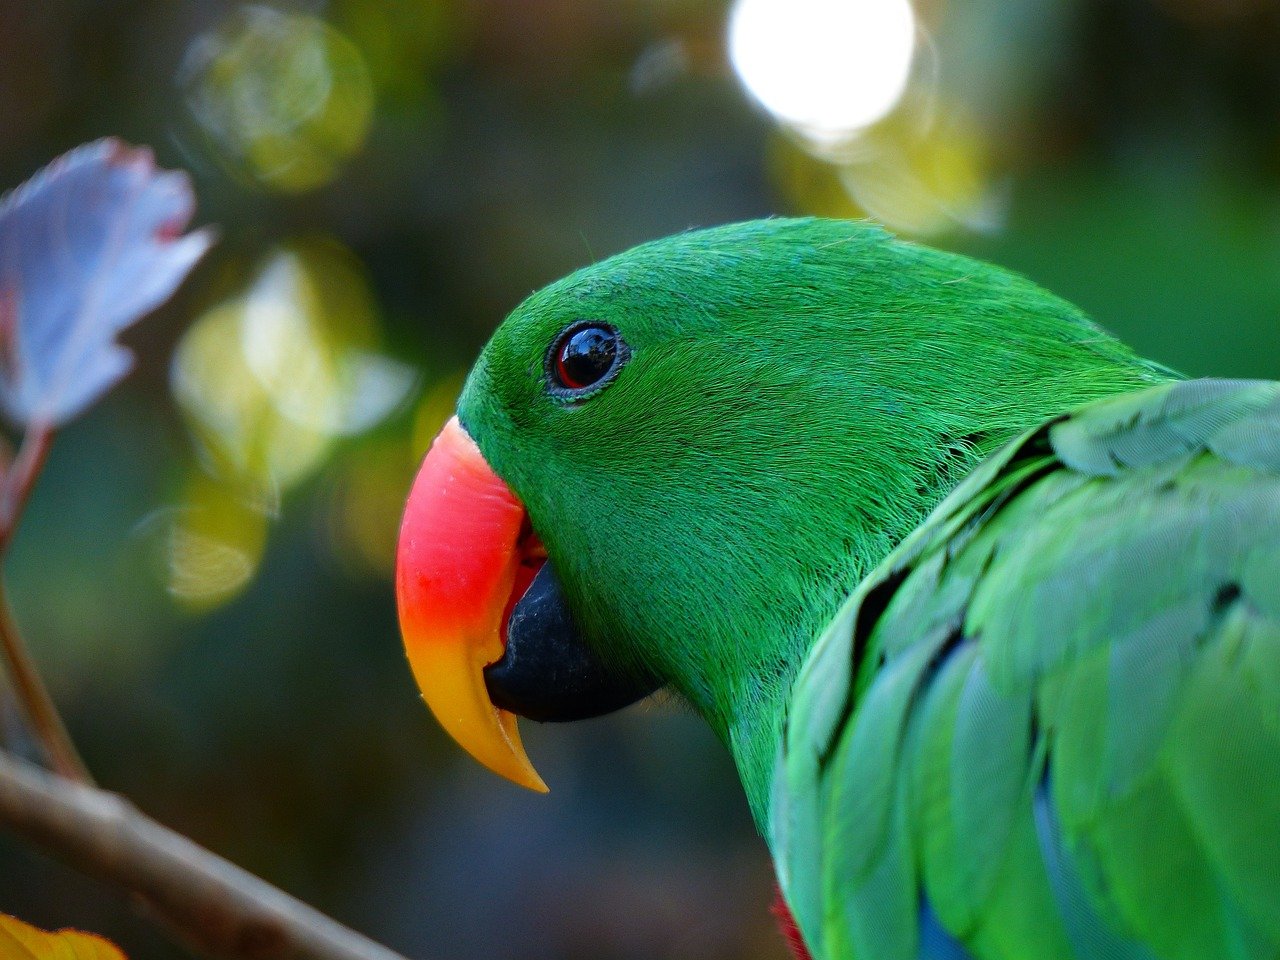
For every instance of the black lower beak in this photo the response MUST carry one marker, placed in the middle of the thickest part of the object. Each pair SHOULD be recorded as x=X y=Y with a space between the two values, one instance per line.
x=547 y=672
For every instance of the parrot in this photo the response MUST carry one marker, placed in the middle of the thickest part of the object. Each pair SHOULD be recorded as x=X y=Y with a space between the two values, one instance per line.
x=984 y=606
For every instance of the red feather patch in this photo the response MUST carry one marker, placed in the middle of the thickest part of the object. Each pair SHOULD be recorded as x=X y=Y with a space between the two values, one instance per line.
x=787 y=924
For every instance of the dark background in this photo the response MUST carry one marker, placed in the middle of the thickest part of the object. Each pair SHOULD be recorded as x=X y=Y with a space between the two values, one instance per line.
x=204 y=571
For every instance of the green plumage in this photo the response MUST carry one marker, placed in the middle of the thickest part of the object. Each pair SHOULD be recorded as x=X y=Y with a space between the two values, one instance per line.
x=800 y=394
x=1061 y=727
x=1047 y=726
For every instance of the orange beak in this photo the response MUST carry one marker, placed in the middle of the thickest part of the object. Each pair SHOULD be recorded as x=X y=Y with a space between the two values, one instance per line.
x=465 y=554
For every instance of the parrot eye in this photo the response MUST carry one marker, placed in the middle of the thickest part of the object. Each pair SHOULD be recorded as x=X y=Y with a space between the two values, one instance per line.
x=585 y=355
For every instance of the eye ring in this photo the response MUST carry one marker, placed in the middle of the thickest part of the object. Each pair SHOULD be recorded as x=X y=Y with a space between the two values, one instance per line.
x=584 y=358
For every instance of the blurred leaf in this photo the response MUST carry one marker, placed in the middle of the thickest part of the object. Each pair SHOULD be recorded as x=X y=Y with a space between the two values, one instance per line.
x=310 y=331
x=21 y=941
x=270 y=379
x=241 y=431
x=87 y=246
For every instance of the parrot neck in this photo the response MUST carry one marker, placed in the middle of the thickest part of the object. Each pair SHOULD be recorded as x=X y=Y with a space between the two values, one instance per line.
x=753 y=735
x=743 y=685
x=749 y=706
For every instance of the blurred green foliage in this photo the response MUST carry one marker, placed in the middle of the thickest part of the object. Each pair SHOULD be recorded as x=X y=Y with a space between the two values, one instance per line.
x=204 y=570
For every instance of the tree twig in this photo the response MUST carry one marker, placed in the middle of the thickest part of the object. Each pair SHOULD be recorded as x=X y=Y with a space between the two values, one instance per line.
x=209 y=903
x=35 y=701
x=32 y=694
x=21 y=476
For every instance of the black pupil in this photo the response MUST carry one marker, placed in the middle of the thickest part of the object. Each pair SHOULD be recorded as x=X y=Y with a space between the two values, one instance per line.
x=585 y=356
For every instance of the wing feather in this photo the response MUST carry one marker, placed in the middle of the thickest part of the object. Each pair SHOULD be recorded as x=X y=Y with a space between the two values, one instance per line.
x=1048 y=726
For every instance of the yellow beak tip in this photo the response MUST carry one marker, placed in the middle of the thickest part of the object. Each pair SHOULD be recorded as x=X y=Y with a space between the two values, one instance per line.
x=518 y=768
x=452 y=684
x=506 y=757
x=537 y=785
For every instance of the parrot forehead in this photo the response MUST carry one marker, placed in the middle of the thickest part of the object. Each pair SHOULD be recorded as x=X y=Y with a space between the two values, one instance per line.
x=695 y=281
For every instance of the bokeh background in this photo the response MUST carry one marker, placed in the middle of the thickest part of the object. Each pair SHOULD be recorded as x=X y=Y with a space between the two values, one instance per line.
x=205 y=569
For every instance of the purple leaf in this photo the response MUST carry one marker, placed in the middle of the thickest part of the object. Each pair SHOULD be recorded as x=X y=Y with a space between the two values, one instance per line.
x=88 y=245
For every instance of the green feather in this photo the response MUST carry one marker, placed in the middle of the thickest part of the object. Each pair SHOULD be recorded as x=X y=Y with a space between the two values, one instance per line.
x=1224 y=759
x=948 y=879
x=990 y=751
x=1114 y=630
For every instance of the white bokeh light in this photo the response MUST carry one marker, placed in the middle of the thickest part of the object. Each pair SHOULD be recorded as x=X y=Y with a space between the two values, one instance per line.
x=827 y=67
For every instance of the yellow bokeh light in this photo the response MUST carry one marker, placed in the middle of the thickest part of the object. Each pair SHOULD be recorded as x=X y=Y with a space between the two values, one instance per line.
x=926 y=181
x=827 y=68
x=214 y=544
x=268 y=380
x=239 y=427
x=285 y=98
x=309 y=330
x=919 y=175
x=365 y=498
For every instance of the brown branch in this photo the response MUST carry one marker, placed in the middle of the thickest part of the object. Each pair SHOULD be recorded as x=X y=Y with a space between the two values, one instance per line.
x=32 y=694
x=209 y=903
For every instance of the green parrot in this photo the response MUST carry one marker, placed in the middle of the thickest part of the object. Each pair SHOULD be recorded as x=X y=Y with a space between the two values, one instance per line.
x=985 y=607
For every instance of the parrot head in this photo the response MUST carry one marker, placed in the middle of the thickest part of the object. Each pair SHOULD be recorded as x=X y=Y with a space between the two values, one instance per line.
x=669 y=468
